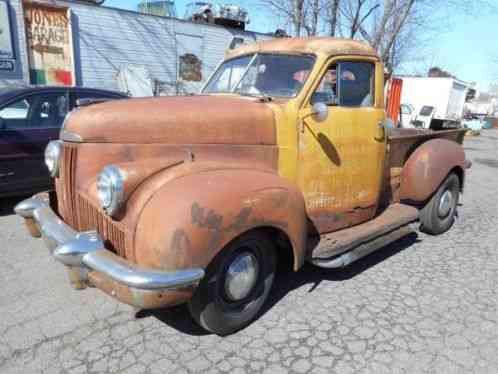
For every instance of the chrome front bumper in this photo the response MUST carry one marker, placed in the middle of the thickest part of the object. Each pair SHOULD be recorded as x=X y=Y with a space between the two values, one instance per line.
x=90 y=263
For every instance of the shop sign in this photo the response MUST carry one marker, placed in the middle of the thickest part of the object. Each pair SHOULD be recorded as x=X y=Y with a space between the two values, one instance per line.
x=50 y=47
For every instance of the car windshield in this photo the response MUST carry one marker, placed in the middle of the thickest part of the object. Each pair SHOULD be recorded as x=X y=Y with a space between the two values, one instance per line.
x=262 y=75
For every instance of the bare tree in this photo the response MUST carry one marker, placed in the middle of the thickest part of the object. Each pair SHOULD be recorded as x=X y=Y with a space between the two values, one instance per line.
x=332 y=16
x=292 y=12
x=393 y=27
x=303 y=16
x=315 y=10
x=379 y=24
x=357 y=12
x=298 y=9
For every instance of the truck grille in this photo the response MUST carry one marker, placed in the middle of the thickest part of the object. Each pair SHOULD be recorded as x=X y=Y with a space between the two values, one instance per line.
x=92 y=219
x=77 y=211
x=65 y=185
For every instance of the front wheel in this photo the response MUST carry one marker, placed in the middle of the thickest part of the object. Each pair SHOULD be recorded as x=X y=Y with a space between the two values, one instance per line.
x=236 y=284
x=438 y=215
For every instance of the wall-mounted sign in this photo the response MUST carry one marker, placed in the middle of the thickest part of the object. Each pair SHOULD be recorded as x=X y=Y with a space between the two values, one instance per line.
x=189 y=49
x=190 y=68
x=50 y=46
x=6 y=47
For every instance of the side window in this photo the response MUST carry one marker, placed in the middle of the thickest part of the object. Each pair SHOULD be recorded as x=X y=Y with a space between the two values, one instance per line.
x=15 y=115
x=354 y=88
x=49 y=111
x=356 y=85
x=327 y=90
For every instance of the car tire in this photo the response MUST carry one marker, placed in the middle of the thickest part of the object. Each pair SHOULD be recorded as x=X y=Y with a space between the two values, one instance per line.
x=236 y=285
x=438 y=215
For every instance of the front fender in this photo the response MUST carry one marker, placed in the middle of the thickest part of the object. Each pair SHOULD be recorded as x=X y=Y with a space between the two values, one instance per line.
x=191 y=218
x=428 y=166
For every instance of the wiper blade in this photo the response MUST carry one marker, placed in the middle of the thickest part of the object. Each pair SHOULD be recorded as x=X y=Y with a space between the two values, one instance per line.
x=266 y=99
x=262 y=97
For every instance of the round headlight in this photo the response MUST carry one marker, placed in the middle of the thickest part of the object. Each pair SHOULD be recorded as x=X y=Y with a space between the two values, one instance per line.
x=52 y=156
x=110 y=189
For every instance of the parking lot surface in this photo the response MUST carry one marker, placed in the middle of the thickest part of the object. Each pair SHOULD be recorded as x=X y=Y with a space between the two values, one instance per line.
x=422 y=305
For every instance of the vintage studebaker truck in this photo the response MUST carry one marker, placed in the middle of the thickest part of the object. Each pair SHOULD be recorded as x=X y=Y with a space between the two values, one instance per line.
x=286 y=153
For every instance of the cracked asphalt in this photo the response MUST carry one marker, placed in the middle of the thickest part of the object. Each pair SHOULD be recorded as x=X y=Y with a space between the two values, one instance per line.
x=422 y=305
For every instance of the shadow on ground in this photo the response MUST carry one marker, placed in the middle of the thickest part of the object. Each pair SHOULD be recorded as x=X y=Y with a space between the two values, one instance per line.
x=286 y=281
x=7 y=205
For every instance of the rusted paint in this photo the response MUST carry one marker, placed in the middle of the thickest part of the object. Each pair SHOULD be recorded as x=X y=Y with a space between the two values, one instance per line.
x=401 y=144
x=341 y=158
x=427 y=167
x=203 y=220
x=176 y=120
x=317 y=45
x=324 y=220
x=335 y=243
x=202 y=170
x=149 y=166
x=143 y=299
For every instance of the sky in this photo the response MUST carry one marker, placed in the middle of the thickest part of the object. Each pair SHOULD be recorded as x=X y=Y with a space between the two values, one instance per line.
x=466 y=46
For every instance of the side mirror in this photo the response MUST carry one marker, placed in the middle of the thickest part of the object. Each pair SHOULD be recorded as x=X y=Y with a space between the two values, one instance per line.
x=320 y=111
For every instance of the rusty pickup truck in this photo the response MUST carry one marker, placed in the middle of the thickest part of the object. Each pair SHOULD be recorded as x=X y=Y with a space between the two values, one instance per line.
x=285 y=154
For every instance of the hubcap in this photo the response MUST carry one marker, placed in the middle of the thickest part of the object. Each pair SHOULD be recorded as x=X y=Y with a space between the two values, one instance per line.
x=241 y=276
x=445 y=203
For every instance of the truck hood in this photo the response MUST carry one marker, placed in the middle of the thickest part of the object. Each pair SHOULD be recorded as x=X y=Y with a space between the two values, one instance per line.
x=205 y=119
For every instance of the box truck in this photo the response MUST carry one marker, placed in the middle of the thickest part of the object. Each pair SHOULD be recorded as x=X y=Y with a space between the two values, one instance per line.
x=437 y=102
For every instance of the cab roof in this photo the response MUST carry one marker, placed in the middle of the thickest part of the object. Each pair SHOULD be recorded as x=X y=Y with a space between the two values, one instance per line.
x=314 y=45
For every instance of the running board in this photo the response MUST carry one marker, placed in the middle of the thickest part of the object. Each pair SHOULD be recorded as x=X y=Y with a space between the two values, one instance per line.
x=341 y=248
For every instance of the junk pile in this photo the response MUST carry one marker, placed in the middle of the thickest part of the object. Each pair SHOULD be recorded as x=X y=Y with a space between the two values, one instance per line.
x=222 y=14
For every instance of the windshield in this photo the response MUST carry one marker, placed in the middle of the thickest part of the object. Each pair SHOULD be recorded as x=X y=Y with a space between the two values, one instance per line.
x=262 y=75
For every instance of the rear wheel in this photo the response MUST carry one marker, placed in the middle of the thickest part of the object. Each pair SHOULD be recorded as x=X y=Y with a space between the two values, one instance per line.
x=236 y=285
x=438 y=215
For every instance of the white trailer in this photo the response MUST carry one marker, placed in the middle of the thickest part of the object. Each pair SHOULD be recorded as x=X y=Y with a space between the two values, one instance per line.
x=437 y=102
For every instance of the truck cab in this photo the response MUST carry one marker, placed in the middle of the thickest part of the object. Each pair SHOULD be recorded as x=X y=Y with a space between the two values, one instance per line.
x=285 y=154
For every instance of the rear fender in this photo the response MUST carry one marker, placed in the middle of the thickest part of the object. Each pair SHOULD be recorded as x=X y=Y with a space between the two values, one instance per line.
x=428 y=166
x=190 y=219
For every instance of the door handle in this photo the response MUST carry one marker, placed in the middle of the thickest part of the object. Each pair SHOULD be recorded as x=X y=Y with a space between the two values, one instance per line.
x=380 y=128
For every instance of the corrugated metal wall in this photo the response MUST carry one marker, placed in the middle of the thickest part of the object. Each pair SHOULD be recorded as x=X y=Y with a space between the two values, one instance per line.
x=107 y=39
x=21 y=72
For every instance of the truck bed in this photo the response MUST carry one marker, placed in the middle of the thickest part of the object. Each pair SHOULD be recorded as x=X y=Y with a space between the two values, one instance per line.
x=401 y=143
x=418 y=136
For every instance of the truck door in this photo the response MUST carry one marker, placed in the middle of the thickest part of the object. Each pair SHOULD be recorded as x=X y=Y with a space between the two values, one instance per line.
x=341 y=155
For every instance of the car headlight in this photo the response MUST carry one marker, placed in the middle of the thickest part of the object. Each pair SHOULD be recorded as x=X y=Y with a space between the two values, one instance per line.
x=52 y=156
x=110 y=189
